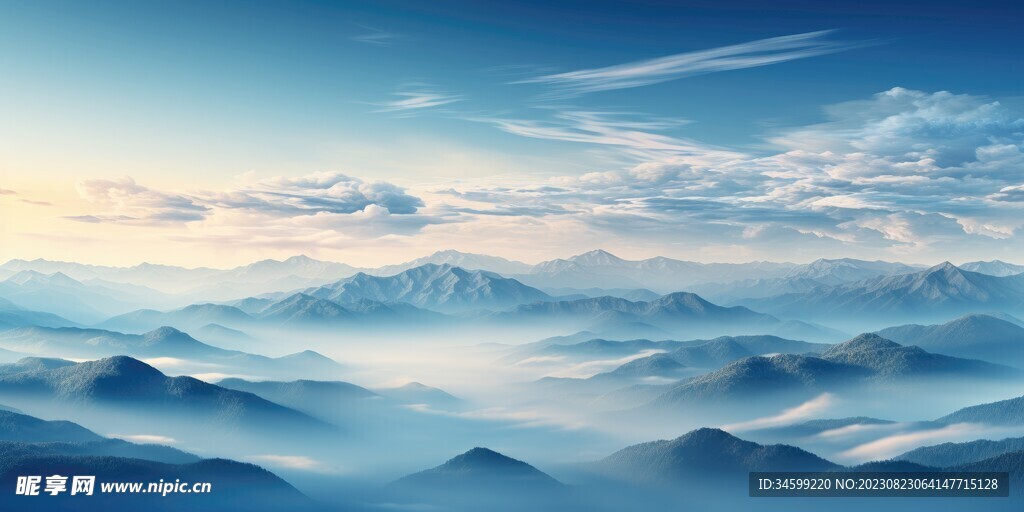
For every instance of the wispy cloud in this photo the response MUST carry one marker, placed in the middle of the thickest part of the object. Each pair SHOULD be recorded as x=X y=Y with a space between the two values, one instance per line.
x=628 y=131
x=646 y=72
x=133 y=203
x=417 y=98
x=376 y=36
x=298 y=462
x=145 y=438
x=36 y=203
x=5 y=192
x=810 y=409
x=891 y=446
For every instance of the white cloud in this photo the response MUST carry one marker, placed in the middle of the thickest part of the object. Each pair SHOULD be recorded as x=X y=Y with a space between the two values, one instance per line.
x=132 y=203
x=416 y=97
x=891 y=446
x=810 y=409
x=295 y=208
x=145 y=438
x=645 y=72
x=903 y=171
x=299 y=462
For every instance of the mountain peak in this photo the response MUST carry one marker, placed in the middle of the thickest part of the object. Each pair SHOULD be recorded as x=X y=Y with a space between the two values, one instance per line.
x=706 y=435
x=866 y=341
x=116 y=366
x=597 y=257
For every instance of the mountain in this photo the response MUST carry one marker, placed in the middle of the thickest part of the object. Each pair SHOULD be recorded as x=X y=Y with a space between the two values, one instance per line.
x=206 y=283
x=188 y=318
x=161 y=342
x=889 y=359
x=956 y=454
x=1012 y=463
x=127 y=384
x=441 y=288
x=938 y=292
x=302 y=308
x=415 y=393
x=1003 y=412
x=31 y=364
x=601 y=269
x=316 y=398
x=674 y=311
x=463 y=260
x=13 y=315
x=802 y=279
x=301 y=266
x=978 y=336
x=757 y=377
x=24 y=428
x=86 y=343
x=846 y=270
x=657 y=365
x=993 y=268
x=219 y=333
x=723 y=350
x=704 y=454
x=60 y=295
x=480 y=469
x=98 y=448
x=21 y=434
x=633 y=294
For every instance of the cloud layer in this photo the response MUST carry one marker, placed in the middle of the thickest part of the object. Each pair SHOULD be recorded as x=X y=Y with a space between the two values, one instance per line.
x=901 y=173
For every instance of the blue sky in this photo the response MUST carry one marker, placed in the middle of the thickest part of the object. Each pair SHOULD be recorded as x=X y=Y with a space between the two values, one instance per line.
x=693 y=130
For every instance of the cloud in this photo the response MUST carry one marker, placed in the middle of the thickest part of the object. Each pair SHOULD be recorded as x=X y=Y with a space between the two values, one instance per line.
x=810 y=409
x=902 y=171
x=1011 y=194
x=630 y=132
x=323 y=192
x=415 y=98
x=376 y=37
x=145 y=438
x=646 y=72
x=891 y=446
x=36 y=203
x=136 y=204
x=5 y=192
x=591 y=368
x=278 y=210
x=299 y=462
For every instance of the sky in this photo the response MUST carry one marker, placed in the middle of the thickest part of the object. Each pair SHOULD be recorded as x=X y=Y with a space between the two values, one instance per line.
x=206 y=133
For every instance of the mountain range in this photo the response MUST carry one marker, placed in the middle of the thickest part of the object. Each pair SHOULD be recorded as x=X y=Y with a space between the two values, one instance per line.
x=160 y=342
x=866 y=358
x=1004 y=412
x=701 y=455
x=979 y=336
x=131 y=386
x=956 y=454
x=442 y=288
x=941 y=291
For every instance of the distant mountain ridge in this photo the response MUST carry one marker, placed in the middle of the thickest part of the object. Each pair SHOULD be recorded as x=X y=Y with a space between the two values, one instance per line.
x=704 y=454
x=130 y=384
x=865 y=358
x=444 y=288
x=979 y=336
x=937 y=292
